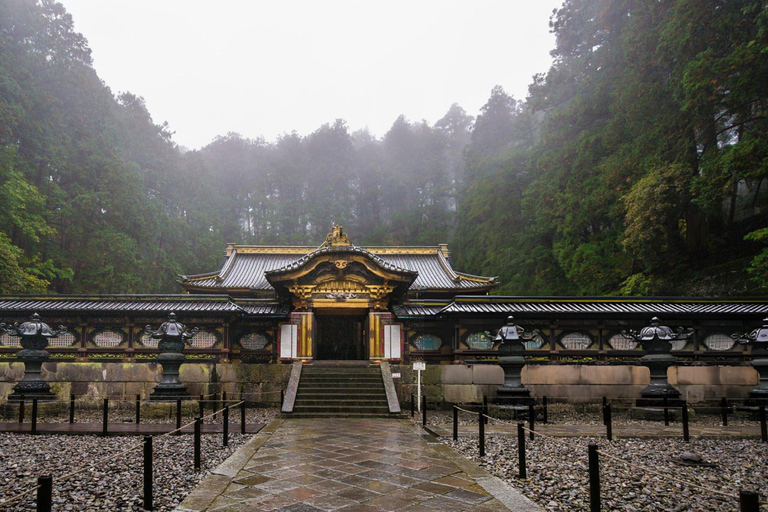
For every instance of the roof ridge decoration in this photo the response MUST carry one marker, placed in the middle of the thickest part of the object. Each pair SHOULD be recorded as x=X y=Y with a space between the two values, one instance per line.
x=336 y=238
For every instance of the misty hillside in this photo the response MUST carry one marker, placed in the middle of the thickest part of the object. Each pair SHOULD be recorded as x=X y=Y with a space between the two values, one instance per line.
x=637 y=165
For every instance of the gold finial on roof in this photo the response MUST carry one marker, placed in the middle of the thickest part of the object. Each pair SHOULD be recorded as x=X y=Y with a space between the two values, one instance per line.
x=337 y=237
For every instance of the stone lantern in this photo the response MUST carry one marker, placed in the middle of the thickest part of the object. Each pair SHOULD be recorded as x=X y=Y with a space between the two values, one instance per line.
x=512 y=360
x=33 y=336
x=657 y=340
x=173 y=336
x=759 y=341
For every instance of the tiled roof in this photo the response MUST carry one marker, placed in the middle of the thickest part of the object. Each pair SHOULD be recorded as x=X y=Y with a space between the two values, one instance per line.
x=245 y=268
x=590 y=305
x=135 y=304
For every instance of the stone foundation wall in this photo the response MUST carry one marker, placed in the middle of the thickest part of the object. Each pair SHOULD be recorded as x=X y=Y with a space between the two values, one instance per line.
x=123 y=381
x=456 y=383
x=576 y=383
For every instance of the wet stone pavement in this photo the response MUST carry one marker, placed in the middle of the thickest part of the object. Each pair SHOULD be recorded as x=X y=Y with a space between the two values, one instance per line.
x=353 y=465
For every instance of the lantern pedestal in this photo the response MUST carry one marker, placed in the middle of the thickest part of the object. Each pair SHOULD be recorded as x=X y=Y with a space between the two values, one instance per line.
x=513 y=394
x=760 y=393
x=170 y=386
x=32 y=384
x=653 y=394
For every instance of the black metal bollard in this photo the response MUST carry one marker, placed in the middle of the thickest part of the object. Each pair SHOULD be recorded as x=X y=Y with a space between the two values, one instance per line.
x=71 y=409
x=481 y=432
x=424 y=411
x=44 y=494
x=201 y=405
x=605 y=404
x=34 y=415
x=531 y=421
x=178 y=414
x=608 y=423
x=522 y=473
x=226 y=425
x=282 y=397
x=724 y=410
x=686 y=433
x=455 y=423
x=749 y=501
x=138 y=409
x=198 y=422
x=763 y=429
x=665 y=403
x=485 y=409
x=105 y=417
x=242 y=416
x=148 y=473
x=545 y=412
x=594 y=479
x=21 y=409
x=413 y=408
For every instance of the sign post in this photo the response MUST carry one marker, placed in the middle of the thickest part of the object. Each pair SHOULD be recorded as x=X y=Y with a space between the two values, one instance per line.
x=419 y=366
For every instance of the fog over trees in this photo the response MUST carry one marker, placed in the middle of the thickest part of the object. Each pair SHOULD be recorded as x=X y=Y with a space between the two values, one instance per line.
x=635 y=166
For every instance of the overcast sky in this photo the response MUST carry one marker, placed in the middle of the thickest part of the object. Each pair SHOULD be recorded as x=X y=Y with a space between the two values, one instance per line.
x=263 y=68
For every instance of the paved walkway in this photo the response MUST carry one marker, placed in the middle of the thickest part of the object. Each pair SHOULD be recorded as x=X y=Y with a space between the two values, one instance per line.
x=350 y=465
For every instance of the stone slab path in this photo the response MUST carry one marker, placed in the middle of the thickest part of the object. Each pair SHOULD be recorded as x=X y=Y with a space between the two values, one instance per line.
x=351 y=465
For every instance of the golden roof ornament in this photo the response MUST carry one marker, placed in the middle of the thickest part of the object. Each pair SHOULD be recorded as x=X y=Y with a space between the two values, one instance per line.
x=336 y=238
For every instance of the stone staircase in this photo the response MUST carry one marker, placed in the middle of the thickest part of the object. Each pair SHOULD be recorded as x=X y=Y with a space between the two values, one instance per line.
x=341 y=392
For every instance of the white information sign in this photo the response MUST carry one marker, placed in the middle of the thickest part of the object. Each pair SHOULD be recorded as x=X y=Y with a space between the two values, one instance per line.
x=419 y=366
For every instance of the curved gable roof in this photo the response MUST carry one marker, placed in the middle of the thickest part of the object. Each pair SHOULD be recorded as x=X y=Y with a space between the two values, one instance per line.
x=245 y=268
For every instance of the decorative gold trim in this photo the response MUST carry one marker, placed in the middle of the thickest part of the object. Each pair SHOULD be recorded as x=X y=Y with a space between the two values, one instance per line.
x=336 y=238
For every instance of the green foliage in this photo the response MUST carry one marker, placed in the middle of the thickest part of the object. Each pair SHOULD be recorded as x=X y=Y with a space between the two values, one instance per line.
x=640 y=157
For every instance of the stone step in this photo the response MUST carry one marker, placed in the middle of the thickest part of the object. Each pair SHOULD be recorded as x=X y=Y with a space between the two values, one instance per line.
x=341 y=392
x=340 y=385
x=378 y=400
x=340 y=415
x=361 y=397
x=318 y=409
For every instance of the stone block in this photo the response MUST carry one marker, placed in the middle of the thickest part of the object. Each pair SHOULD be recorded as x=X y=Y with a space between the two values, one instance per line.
x=11 y=372
x=551 y=374
x=605 y=375
x=82 y=372
x=694 y=375
x=456 y=374
x=6 y=388
x=114 y=391
x=739 y=376
x=129 y=372
x=487 y=374
x=432 y=374
x=194 y=372
x=132 y=389
x=462 y=393
x=62 y=390
x=640 y=375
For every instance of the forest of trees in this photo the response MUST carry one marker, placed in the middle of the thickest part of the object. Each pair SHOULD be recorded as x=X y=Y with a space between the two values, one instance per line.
x=635 y=166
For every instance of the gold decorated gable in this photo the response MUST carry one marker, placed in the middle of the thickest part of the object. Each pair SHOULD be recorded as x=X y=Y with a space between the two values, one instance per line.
x=338 y=274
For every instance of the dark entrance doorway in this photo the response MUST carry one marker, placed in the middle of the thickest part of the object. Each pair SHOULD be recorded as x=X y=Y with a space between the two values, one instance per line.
x=340 y=337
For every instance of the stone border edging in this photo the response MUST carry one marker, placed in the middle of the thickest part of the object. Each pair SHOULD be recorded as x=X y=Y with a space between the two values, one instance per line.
x=214 y=484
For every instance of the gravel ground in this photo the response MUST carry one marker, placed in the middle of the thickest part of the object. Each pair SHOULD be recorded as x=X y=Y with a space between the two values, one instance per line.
x=125 y=412
x=564 y=414
x=114 y=485
x=558 y=471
